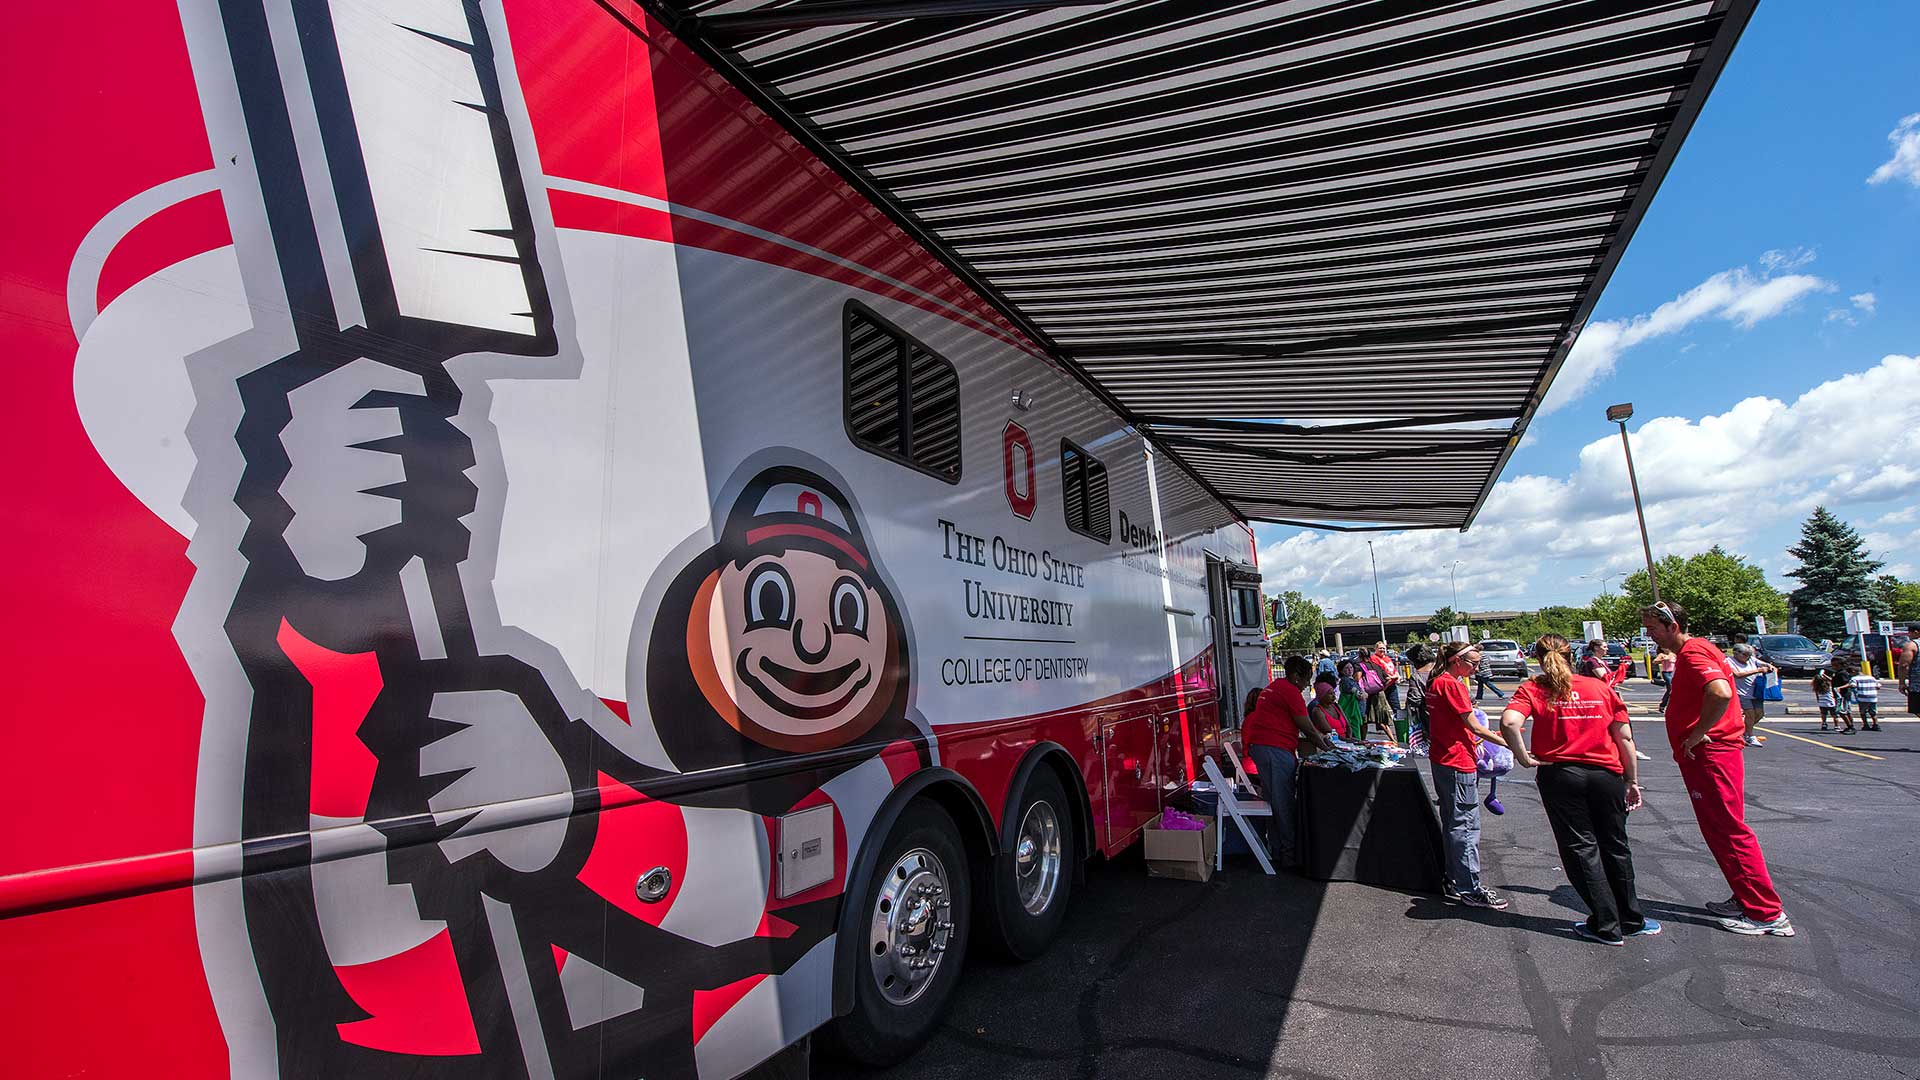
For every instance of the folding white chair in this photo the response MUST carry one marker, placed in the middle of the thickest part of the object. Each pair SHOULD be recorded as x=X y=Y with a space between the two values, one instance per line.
x=1239 y=770
x=1240 y=811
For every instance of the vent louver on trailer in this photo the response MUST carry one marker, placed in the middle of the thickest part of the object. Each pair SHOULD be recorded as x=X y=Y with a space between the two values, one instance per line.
x=1328 y=256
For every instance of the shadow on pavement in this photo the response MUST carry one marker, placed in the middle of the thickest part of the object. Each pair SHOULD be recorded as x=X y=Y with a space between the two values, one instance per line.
x=1149 y=977
x=1433 y=909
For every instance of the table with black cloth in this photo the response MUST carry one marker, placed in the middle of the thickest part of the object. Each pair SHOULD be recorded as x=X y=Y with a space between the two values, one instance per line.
x=1373 y=826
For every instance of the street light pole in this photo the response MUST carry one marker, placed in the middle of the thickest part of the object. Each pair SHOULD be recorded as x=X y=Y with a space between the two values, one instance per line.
x=1378 y=611
x=1620 y=414
x=1455 y=565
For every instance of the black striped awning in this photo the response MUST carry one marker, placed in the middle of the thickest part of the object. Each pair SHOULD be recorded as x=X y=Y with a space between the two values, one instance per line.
x=1328 y=255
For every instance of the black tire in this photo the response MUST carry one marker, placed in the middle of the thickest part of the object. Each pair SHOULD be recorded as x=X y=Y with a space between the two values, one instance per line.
x=879 y=1031
x=1016 y=932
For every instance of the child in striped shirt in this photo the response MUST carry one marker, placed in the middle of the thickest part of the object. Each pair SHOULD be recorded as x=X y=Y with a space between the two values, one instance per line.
x=1866 y=694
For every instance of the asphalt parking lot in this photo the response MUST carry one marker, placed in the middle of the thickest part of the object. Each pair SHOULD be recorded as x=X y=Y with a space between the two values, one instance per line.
x=1283 y=977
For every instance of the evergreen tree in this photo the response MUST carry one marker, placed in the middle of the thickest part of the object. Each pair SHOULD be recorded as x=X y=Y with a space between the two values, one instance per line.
x=1835 y=574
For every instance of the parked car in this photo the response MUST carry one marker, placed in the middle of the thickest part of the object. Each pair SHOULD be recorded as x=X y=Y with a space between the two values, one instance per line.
x=1641 y=641
x=1847 y=652
x=1791 y=653
x=1617 y=654
x=1502 y=657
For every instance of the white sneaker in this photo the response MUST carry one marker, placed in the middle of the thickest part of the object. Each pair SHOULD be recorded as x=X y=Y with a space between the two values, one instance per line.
x=1641 y=756
x=1751 y=927
x=1751 y=741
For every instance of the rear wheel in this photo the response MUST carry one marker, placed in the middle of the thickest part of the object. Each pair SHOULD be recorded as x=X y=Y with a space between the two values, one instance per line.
x=1030 y=881
x=916 y=921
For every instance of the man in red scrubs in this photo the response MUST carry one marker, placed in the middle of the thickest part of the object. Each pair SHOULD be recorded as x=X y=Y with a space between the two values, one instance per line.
x=1705 y=727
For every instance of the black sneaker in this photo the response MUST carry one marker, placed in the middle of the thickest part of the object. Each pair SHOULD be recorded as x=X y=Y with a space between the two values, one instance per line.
x=1484 y=897
x=1581 y=930
x=1448 y=893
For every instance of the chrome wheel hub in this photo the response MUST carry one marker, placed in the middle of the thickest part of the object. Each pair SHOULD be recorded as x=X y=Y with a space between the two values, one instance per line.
x=1036 y=858
x=910 y=926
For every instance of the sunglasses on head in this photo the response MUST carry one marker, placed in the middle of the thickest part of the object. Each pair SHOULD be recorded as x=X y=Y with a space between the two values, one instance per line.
x=1664 y=613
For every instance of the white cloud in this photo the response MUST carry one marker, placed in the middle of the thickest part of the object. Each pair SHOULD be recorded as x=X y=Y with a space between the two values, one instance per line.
x=1905 y=162
x=1738 y=296
x=1719 y=479
x=1862 y=302
x=1775 y=260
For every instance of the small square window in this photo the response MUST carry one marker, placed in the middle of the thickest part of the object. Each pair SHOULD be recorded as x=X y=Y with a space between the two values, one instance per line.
x=903 y=399
x=1246 y=609
x=1083 y=486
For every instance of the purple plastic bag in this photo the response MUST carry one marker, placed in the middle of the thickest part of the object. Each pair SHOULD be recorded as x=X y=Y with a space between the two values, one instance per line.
x=1181 y=822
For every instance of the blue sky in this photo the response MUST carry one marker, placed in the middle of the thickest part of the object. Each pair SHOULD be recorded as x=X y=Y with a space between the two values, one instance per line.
x=1765 y=325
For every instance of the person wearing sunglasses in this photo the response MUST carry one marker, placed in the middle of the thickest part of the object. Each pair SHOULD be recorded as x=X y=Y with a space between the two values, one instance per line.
x=1706 y=729
x=1453 y=731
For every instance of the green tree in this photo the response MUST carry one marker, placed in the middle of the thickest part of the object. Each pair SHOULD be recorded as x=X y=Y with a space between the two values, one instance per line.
x=1721 y=592
x=1835 y=574
x=1906 y=602
x=1617 y=612
x=1343 y=613
x=1444 y=620
x=1305 y=620
x=1895 y=599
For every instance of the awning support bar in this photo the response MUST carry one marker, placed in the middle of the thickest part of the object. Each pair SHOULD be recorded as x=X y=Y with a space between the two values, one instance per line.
x=1263 y=427
x=1297 y=458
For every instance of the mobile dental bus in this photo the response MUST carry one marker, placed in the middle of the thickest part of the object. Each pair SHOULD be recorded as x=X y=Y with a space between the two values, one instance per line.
x=544 y=578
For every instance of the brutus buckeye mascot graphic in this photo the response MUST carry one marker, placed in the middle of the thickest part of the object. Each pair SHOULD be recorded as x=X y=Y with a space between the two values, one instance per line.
x=422 y=847
x=783 y=639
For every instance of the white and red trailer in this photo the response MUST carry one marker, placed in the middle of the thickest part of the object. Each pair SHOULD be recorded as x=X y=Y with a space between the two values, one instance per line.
x=530 y=561
x=544 y=588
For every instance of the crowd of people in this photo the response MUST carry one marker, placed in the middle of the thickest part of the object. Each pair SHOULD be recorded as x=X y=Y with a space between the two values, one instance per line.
x=1581 y=748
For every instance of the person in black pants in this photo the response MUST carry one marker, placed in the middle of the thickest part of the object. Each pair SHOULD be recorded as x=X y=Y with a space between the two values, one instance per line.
x=1483 y=682
x=1589 y=782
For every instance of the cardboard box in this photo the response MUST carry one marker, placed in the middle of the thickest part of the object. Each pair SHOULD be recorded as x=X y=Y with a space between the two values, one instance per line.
x=1186 y=854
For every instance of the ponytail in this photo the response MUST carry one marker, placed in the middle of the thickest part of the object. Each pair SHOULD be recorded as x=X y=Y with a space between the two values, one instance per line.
x=1555 y=656
x=1448 y=653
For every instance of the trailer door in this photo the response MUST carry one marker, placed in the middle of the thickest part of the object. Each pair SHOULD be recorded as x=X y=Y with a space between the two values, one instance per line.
x=1239 y=635
x=1219 y=622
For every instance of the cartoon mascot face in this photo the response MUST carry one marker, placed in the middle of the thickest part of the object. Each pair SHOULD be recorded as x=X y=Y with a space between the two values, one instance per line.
x=789 y=633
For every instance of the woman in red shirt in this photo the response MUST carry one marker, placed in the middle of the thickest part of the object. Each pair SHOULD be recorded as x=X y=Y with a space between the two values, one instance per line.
x=1452 y=733
x=1589 y=780
x=1272 y=735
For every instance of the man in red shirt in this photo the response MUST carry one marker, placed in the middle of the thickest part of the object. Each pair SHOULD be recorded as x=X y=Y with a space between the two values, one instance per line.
x=1705 y=727
x=1272 y=735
